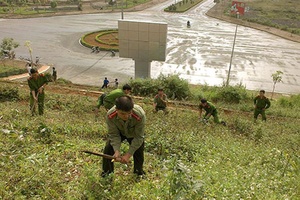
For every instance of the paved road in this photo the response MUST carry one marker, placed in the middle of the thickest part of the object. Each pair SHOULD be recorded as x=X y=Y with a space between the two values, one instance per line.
x=200 y=54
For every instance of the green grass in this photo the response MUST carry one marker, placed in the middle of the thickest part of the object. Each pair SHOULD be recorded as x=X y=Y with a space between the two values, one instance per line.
x=8 y=70
x=126 y=4
x=182 y=6
x=41 y=158
x=24 y=10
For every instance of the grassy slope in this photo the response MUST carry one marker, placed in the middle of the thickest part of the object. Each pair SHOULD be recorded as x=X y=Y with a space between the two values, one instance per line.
x=276 y=17
x=41 y=157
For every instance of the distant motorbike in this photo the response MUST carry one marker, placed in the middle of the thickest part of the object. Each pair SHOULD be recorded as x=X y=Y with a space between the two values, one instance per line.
x=188 y=24
x=95 y=49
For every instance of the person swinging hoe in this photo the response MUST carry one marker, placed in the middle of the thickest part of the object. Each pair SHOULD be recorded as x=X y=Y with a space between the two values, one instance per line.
x=210 y=111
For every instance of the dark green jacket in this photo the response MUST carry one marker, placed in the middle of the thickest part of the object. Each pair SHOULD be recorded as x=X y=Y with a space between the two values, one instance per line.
x=109 y=99
x=159 y=102
x=134 y=128
x=210 y=108
x=261 y=102
x=34 y=85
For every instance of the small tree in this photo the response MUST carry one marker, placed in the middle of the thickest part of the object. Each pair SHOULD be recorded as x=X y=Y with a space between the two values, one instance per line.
x=53 y=4
x=276 y=79
x=7 y=47
x=28 y=45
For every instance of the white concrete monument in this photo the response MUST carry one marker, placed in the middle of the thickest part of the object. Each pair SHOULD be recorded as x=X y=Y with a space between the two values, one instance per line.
x=143 y=42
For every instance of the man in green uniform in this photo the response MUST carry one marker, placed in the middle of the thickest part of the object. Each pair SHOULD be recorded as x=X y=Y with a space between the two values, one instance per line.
x=108 y=100
x=261 y=103
x=210 y=111
x=37 y=83
x=125 y=121
x=160 y=101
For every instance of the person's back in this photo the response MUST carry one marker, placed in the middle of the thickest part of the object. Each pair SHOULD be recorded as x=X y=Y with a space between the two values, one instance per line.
x=109 y=99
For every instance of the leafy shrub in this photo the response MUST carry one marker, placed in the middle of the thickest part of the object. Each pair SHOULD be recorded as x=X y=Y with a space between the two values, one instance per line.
x=232 y=94
x=53 y=4
x=174 y=87
x=182 y=182
x=289 y=102
x=9 y=94
x=63 y=81
x=242 y=127
x=284 y=102
x=144 y=87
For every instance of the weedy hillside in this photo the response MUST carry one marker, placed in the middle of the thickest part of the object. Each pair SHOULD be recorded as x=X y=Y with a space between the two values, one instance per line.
x=41 y=157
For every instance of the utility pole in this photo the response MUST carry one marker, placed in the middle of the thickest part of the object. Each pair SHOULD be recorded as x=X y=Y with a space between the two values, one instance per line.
x=122 y=15
x=227 y=82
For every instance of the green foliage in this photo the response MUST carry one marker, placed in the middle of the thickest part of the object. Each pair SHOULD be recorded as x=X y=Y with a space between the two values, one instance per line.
x=8 y=44
x=8 y=93
x=182 y=6
x=41 y=155
x=287 y=106
x=6 y=70
x=53 y=4
x=232 y=94
x=63 y=81
x=277 y=78
x=174 y=87
x=144 y=87
x=280 y=14
x=7 y=47
x=183 y=182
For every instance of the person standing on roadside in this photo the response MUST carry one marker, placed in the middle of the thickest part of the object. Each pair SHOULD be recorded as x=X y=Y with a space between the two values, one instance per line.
x=37 y=83
x=105 y=83
x=261 y=103
x=54 y=74
x=116 y=83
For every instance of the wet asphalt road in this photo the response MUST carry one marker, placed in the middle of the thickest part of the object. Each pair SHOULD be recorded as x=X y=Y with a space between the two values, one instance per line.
x=201 y=54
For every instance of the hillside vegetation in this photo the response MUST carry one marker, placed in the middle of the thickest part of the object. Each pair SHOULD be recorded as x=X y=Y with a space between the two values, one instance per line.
x=41 y=157
x=280 y=14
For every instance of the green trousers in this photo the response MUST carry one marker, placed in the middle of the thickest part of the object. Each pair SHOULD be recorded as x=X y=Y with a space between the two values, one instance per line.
x=138 y=158
x=39 y=104
x=259 y=111
x=215 y=115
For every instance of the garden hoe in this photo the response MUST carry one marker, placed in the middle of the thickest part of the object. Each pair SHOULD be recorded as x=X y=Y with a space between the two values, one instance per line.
x=112 y=158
